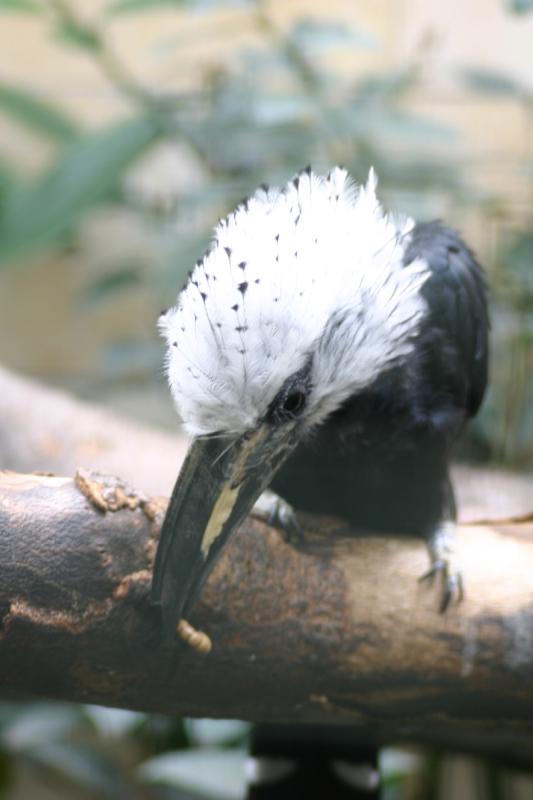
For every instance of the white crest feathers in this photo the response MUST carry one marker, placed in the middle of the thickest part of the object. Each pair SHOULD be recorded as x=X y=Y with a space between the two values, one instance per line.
x=313 y=269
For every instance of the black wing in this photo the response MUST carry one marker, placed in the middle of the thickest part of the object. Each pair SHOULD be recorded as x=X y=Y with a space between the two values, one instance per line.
x=457 y=326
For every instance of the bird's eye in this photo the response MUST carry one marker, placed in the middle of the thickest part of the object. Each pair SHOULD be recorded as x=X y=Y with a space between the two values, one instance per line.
x=293 y=404
x=291 y=400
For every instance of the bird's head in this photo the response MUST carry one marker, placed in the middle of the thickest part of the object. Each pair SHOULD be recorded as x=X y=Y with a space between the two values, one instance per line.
x=302 y=301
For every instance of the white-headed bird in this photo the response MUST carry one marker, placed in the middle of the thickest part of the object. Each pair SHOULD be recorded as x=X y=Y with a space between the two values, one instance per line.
x=331 y=352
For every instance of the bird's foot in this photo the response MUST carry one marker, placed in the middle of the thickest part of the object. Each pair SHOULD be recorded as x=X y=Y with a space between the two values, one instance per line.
x=441 y=546
x=274 y=510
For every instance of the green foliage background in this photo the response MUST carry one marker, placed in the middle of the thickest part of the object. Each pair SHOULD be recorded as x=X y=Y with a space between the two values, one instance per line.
x=272 y=110
x=275 y=107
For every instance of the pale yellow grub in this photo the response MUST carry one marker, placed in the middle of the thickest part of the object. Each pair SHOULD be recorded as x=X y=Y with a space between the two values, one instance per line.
x=196 y=639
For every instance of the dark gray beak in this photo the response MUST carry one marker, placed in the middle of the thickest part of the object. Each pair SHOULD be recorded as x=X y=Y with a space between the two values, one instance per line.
x=218 y=484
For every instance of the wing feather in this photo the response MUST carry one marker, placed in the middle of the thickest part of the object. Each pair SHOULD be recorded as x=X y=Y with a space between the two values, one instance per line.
x=456 y=295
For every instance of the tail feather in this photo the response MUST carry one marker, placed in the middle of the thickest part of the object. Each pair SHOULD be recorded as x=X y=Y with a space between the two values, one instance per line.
x=310 y=763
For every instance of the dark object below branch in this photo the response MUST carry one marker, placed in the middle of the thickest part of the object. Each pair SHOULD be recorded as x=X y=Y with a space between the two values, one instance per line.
x=337 y=630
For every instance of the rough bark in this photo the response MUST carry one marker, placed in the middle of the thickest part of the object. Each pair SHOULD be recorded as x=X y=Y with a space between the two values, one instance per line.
x=337 y=630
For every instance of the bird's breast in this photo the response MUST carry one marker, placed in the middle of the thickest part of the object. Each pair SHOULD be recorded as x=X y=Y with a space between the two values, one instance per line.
x=371 y=465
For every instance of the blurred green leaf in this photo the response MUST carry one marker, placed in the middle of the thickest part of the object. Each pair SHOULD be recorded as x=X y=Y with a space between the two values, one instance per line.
x=273 y=109
x=262 y=65
x=381 y=123
x=384 y=86
x=38 y=723
x=182 y=253
x=521 y=6
x=395 y=763
x=398 y=124
x=19 y=5
x=415 y=177
x=37 y=114
x=8 y=181
x=77 y=763
x=518 y=274
x=211 y=773
x=519 y=256
x=79 y=35
x=314 y=34
x=127 y=6
x=208 y=5
x=86 y=171
x=108 y=285
x=113 y=722
x=126 y=358
x=235 y=144
x=491 y=82
x=209 y=732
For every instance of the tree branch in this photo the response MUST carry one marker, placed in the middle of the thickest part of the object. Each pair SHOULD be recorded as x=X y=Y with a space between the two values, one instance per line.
x=338 y=631
x=335 y=631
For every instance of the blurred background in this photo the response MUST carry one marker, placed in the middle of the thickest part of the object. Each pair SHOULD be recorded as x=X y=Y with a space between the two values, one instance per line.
x=127 y=128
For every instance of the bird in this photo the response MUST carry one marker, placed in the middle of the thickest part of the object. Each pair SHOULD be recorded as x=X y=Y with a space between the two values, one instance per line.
x=324 y=355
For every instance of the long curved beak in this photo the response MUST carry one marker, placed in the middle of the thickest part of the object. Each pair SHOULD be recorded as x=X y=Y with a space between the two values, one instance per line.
x=219 y=482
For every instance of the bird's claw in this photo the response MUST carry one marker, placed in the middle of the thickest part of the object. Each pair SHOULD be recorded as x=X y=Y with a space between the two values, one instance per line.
x=275 y=511
x=441 y=545
x=452 y=583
